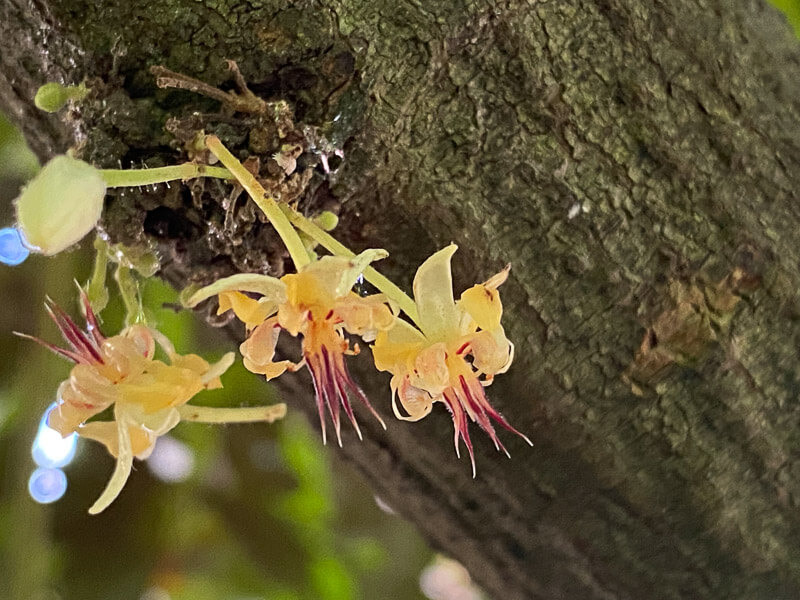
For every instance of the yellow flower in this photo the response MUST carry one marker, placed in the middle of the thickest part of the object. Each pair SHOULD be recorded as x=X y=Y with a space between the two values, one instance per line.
x=149 y=397
x=460 y=348
x=317 y=303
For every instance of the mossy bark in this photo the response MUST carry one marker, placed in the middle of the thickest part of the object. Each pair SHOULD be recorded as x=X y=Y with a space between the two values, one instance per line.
x=637 y=162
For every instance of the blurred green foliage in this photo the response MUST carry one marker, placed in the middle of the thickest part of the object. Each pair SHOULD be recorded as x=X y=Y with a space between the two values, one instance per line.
x=267 y=513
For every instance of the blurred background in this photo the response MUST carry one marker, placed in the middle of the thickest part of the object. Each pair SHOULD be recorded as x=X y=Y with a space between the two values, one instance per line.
x=242 y=512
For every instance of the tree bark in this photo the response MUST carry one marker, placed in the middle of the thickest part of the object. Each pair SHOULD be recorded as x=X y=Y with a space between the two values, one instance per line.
x=636 y=161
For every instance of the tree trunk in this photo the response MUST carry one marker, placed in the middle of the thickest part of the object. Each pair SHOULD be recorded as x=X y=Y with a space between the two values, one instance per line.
x=637 y=162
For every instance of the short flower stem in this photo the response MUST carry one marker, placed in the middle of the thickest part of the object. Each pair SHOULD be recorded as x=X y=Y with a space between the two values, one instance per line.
x=267 y=205
x=208 y=414
x=333 y=245
x=96 y=287
x=129 y=291
x=135 y=177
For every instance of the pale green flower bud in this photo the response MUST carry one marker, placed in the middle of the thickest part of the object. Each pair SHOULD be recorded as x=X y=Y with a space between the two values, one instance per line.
x=52 y=97
x=60 y=205
x=326 y=220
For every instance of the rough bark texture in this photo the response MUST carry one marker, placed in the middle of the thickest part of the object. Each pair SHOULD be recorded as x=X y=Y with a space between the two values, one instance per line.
x=637 y=162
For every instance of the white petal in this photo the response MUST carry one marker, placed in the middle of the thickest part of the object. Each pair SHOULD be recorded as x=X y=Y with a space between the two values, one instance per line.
x=122 y=470
x=218 y=368
x=265 y=285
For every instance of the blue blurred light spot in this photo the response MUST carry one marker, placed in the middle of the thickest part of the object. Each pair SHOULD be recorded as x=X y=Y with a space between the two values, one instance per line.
x=47 y=485
x=50 y=450
x=12 y=249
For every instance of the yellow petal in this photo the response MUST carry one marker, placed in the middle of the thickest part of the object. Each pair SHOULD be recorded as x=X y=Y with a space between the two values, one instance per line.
x=248 y=310
x=258 y=350
x=293 y=317
x=338 y=274
x=309 y=290
x=211 y=377
x=323 y=281
x=160 y=387
x=396 y=348
x=157 y=424
x=482 y=301
x=491 y=351
x=433 y=294
x=364 y=316
x=431 y=372
x=416 y=402
x=356 y=267
x=483 y=305
x=106 y=432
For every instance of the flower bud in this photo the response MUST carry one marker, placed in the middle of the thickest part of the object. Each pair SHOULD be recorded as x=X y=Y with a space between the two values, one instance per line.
x=60 y=205
x=52 y=97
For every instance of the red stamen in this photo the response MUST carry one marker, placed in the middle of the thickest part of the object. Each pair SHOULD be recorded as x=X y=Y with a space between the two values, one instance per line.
x=80 y=341
x=333 y=387
x=323 y=393
x=68 y=354
x=318 y=395
x=328 y=373
x=336 y=366
x=357 y=391
x=476 y=407
x=92 y=326
x=477 y=396
x=460 y=425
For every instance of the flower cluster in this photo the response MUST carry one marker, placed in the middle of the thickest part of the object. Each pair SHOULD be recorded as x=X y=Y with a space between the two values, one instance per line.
x=457 y=350
x=318 y=303
x=447 y=351
x=146 y=396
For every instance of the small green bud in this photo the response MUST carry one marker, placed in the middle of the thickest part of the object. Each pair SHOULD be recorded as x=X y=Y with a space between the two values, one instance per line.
x=52 y=97
x=61 y=204
x=326 y=220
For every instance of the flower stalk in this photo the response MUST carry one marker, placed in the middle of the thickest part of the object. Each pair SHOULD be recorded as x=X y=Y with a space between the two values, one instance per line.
x=137 y=177
x=96 y=289
x=131 y=296
x=249 y=414
x=265 y=202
